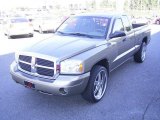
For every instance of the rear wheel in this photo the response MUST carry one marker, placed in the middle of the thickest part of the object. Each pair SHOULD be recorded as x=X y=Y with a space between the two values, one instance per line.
x=97 y=84
x=141 y=54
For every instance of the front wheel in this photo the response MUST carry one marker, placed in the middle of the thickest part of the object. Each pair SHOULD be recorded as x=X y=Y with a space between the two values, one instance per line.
x=140 y=56
x=97 y=84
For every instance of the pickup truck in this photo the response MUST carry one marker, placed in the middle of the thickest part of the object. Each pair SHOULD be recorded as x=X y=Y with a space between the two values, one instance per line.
x=81 y=54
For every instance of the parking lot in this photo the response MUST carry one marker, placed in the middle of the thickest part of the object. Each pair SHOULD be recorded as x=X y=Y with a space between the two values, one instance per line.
x=133 y=91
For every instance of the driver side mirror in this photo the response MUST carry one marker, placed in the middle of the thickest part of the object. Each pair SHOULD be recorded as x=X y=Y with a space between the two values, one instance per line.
x=117 y=34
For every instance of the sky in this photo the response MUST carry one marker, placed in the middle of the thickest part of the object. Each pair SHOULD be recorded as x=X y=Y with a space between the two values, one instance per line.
x=16 y=3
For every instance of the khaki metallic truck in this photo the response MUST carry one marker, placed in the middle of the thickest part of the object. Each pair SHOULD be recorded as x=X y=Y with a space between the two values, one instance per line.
x=80 y=55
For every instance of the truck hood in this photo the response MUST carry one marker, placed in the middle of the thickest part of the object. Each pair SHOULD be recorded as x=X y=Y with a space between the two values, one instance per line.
x=63 y=47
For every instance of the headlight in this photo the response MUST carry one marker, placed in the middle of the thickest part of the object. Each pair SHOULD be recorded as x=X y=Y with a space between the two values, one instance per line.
x=71 y=67
x=16 y=57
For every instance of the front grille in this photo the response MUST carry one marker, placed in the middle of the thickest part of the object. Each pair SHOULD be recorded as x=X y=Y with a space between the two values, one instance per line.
x=35 y=65
x=45 y=72
x=25 y=67
x=25 y=58
x=43 y=62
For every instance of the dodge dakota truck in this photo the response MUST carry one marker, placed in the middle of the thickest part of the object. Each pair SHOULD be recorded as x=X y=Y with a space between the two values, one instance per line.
x=81 y=54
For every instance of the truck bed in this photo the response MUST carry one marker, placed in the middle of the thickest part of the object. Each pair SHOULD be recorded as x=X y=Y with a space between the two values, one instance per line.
x=138 y=25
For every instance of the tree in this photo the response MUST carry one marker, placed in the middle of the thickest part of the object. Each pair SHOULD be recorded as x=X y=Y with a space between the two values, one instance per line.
x=143 y=4
x=104 y=3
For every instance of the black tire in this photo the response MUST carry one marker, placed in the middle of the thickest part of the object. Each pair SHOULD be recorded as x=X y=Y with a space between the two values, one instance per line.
x=140 y=56
x=89 y=94
x=9 y=36
x=30 y=35
x=40 y=30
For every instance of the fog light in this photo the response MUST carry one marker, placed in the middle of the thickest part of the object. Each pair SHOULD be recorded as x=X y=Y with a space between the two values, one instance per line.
x=63 y=91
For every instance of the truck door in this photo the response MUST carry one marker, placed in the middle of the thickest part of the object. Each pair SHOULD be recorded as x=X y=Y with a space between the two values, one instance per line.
x=119 y=41
x=125 y=44
x=129 y=42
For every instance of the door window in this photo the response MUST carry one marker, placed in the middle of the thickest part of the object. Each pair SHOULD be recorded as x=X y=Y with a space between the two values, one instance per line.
x=118 y=26
x=126 y=23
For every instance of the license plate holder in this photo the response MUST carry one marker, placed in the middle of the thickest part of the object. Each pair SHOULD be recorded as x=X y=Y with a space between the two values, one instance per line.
x=29 y=85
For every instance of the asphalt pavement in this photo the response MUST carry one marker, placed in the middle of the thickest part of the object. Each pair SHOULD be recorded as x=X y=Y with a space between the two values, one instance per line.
x=133 y=91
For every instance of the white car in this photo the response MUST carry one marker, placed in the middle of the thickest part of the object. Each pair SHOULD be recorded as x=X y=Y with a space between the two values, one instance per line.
x=45 y=24
x=17 y=26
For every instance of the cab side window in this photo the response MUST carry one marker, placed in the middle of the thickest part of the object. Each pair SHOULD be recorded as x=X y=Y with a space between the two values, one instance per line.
x=126 y=23
x=118 y=26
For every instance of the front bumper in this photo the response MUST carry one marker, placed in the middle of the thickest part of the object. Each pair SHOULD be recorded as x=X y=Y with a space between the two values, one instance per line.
x=62 y=85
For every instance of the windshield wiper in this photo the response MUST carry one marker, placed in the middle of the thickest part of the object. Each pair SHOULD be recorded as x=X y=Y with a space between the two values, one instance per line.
x=61 y=32
x=77 y=34
x=81 y=34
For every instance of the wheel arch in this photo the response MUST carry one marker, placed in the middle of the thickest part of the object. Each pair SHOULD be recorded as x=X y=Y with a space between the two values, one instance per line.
x=145 y=39
x=103 y=62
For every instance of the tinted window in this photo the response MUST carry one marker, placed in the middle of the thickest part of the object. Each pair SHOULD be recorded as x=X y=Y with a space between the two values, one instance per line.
x=118 y=26
x=90 y=25
x=126 y=23
x=19 y=20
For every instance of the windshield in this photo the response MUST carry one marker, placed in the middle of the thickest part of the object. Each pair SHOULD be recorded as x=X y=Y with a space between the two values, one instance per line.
x=88 y=26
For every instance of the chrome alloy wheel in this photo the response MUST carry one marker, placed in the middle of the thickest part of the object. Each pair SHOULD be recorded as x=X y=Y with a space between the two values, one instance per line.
x=143 y=54
x=100 y=84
